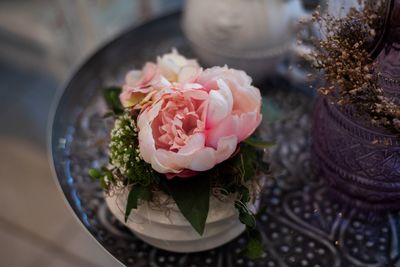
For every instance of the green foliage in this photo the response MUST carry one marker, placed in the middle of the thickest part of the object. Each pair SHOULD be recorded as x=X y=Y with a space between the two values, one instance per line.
x=192 y=195
x=94 y=173
x=254 y=248
x=104 y=176
x=245 y=216
x=258 y=143
x=111 y=96
x=136 y=194
x=248 y=157
x=125 y=154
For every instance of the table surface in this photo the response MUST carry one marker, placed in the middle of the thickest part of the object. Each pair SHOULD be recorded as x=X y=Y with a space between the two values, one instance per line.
x=302 y=221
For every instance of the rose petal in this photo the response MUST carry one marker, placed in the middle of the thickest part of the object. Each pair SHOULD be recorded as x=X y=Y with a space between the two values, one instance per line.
x=184 y=174
x=172 y=161
x=157 y=163
x=149 y=73
x=248 y=123
x=195 y=143
x=220 y=104
x=227 y=127
x=147 y=144
x=133 y=77
x=188 y=74
x=225 y=148
x=246 y=99
x=149 y=115
x=192 y=86
x=171 y=64
x=130 y=99
x=203 y=160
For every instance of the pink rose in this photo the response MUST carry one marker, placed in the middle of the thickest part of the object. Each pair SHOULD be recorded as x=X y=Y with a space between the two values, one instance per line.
x=234 y=107
x=177 y=68
x=198 y=125
x=138 y=83
x=141 y=86
x=172 y=134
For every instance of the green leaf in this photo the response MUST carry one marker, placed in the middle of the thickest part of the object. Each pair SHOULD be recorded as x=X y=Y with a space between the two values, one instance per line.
x=254 y=249
x=94 y=173
x=248 y=158
x=192 y=195
x=137 y=193
x=111 y=95
x=247 y=219
x=103 y=184
x=245 y=216
x=258 y=143
x=244 y=192
x=108 y=174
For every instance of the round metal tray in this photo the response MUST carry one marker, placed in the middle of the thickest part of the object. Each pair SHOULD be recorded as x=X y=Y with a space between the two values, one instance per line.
x=302 y=222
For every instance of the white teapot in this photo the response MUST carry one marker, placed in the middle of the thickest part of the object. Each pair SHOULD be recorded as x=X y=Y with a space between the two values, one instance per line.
x=253 y=35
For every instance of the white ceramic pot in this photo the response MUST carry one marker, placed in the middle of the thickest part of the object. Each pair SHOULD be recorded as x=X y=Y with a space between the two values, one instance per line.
x=253 y=35
x=169 y=230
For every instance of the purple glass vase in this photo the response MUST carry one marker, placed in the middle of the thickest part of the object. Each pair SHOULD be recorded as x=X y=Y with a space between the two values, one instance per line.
x=360 y=161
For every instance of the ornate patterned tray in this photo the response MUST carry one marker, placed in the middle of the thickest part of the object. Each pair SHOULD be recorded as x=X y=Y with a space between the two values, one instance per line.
x=302 y=222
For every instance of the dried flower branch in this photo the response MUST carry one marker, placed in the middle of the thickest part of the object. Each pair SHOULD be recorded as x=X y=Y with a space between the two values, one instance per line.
x=343 y=55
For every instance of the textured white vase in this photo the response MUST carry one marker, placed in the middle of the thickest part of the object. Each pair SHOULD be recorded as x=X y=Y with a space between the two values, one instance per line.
x=169 y=230
x=252 y=35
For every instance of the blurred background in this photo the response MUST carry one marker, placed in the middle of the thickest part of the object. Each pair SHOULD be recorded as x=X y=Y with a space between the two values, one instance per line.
x=41 y=42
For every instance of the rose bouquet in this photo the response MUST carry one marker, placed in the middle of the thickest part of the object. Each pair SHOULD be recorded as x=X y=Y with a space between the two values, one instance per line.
x=182 y=135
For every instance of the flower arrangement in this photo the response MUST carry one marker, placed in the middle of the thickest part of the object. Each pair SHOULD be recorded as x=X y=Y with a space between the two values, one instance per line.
x=344 y=54
x=185 y=131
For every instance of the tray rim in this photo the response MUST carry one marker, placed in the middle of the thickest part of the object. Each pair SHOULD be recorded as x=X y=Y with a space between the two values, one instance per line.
x=54 y=109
